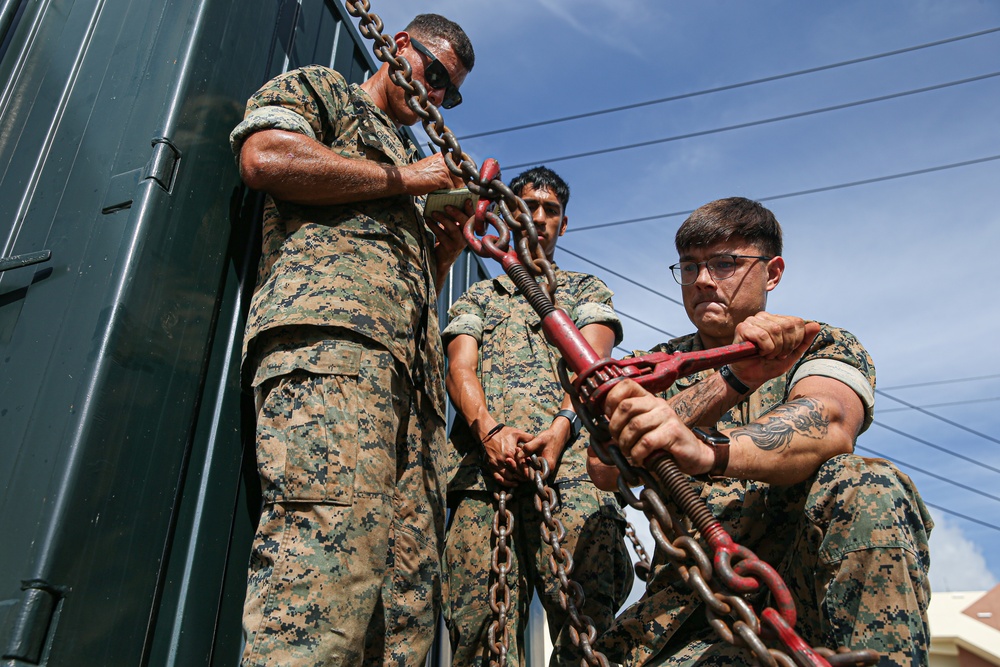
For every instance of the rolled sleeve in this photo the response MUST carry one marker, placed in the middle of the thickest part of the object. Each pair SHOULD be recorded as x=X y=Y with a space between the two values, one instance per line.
x=598 y=313
x=268 y=118
x=468 y=324
x=843 y=372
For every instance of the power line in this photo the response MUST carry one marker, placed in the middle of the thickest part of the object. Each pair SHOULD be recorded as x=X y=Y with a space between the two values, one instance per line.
x=755 y=123
x=625 y=278
x=828 y=188
x=932 y=474
x=939 y=417
x=937 y=382
x=732 y=86
x=943 y=405
x=938 y=447
x=636 y=319
x=961 y=516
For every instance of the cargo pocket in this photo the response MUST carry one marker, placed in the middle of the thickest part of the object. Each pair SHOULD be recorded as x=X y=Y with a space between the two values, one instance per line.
x=307 y=436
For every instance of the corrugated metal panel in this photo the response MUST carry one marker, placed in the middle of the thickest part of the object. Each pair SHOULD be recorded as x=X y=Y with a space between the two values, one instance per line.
x=124 y=509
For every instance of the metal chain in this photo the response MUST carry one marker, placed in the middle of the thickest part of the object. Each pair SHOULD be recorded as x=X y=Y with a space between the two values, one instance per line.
x=571 y=596
x=693 y=564
x=514 y=215
x=497 y=636
x=643 y=566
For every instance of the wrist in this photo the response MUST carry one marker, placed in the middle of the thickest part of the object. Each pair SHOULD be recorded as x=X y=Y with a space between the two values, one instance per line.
x=734 y=382
x=575 y=424
x=718 y=443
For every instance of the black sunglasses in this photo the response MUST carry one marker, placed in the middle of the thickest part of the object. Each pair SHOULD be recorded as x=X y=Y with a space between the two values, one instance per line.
x=437 y=77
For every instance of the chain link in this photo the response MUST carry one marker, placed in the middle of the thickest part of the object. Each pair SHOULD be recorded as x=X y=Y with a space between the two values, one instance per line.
x=642 y=567
x=514 y=215
x=571 y=597
x=690 y=559
x=500 y=564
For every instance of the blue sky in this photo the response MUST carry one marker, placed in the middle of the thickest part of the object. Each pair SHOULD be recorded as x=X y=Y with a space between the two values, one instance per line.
x=906 y=263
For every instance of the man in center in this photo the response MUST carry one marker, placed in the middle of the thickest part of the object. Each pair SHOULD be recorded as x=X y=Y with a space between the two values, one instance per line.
x=503 y=379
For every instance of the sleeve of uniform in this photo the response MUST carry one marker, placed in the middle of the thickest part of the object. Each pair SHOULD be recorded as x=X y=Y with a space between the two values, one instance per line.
x=296 y=101
x=465 y=316
x=837 y=354
x=593 y=306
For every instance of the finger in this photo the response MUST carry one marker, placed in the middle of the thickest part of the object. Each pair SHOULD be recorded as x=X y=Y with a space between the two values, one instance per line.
x=621 y=391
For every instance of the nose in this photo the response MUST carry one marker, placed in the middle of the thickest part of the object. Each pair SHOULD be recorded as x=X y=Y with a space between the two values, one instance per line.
x=538 y=215
x=705 y=277
x=435 y=95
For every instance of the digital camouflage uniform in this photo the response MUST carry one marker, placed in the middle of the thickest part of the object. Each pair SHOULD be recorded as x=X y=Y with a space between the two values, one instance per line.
x=518 y=372
x=850 y=542
x=343 y=352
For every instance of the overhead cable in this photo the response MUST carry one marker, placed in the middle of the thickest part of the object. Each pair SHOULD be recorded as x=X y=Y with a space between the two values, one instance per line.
x=732 y=86
x=939 y=417
x=932 y=383
x=755 y=123
x=962 y=516
x=625 y=278
x=883 y=411
x=937 y=447
x=839 y=186
x=931 y=474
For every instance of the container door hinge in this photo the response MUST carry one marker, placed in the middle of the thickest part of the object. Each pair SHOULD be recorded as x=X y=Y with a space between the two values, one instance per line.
x=161 y=168
x=30 y=621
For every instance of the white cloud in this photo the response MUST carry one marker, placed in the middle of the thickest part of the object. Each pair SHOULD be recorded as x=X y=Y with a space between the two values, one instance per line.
x=957 y=563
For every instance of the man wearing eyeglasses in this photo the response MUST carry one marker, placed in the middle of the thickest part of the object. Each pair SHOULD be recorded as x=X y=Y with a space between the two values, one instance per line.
x=343 y=353
x=848 y=535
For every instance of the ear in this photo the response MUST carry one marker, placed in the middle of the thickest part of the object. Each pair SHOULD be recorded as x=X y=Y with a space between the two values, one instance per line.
x=775 y=269
x=402 y=40
x=562 y=225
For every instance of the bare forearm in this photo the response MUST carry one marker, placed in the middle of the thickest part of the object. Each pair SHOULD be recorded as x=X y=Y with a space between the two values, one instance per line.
x=293 y=167
x=705 y=403
x=467 y=393
x=788 y=444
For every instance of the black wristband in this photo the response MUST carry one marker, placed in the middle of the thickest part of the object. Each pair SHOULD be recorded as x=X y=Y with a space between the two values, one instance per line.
x=727 y=374
x=493 y=431
x=575 y=423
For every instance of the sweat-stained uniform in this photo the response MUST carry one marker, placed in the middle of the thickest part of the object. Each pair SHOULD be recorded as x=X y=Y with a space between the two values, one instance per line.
x=343 y=352
x=851 y=542
x=518 y=370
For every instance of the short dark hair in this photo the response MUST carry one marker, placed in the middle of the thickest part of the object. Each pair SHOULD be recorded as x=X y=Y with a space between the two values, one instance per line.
x=435 y=26
x=732 y=218
x=542 y=177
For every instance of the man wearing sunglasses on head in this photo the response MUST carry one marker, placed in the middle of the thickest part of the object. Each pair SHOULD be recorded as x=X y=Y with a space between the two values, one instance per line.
x=343 y=354
x=769 y=443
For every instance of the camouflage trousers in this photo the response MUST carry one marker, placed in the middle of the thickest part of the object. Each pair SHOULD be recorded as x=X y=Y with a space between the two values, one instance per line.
x=852 y=545
x=595 y=534
x=345 y=567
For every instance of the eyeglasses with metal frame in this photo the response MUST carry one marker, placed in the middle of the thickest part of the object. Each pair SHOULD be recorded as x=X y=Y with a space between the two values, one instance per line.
x=719 y=267
x=437 y=77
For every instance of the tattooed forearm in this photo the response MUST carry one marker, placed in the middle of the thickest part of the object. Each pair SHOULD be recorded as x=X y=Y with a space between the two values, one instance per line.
x=694 y=405
x=803 y=416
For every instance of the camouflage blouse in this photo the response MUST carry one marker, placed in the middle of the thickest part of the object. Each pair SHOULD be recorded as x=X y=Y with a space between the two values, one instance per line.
x=518 y=368
x=364 y=266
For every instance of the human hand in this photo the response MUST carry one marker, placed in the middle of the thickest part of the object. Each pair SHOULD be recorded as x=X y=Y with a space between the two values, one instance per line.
x=548 y=445
x=502 y=451
x=641 y=424
x=429 y=174
x=448 y=229
x=781 y=341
